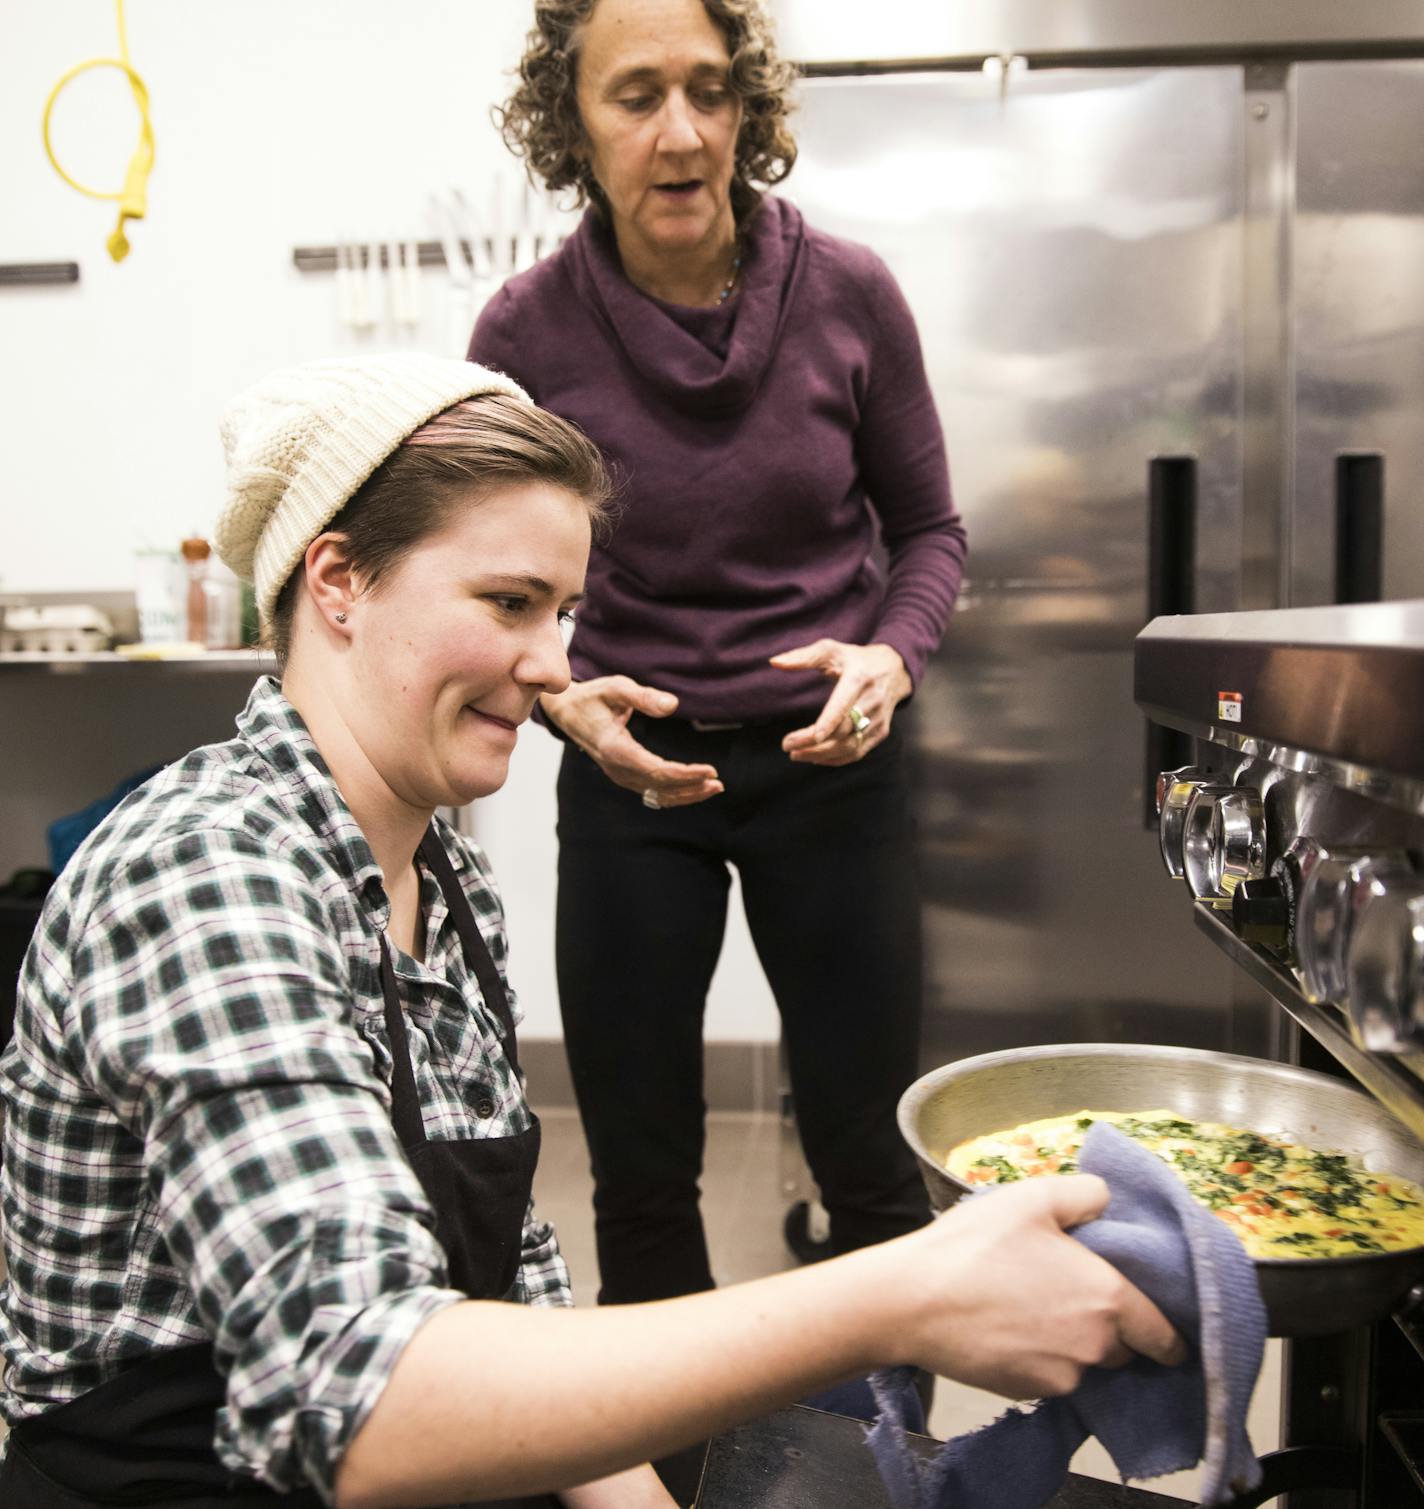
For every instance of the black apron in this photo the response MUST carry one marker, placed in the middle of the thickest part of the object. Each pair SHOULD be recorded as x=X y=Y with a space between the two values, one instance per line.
x=146 y=1436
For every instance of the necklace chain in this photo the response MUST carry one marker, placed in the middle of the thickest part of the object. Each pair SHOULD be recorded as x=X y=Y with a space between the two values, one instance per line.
x=731 y=282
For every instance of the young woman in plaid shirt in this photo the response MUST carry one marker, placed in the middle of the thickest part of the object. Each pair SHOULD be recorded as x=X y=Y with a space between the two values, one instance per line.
x=267 y=1156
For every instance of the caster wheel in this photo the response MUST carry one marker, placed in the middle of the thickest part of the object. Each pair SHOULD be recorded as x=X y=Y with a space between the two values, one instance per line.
x=807 y=1231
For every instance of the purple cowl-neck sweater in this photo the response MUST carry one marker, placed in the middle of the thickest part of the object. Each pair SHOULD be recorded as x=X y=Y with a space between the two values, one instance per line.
x=761 y=447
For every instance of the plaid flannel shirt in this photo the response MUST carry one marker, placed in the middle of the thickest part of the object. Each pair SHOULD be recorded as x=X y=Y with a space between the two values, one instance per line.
x=197 y=1140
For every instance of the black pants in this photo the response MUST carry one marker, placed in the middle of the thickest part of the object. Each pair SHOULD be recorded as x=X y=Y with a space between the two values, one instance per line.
x=827 y=868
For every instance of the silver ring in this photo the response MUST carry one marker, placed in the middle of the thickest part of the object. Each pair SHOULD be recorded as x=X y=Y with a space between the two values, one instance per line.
x=859 y=723
x=650 y=799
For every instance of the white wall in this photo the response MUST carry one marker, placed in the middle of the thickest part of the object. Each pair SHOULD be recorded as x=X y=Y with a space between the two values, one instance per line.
x=278 y=123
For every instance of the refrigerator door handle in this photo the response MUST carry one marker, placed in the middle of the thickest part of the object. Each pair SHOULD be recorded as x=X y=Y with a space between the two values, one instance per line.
x=1171 y=534
x=1359 y=527
x=1171 y=588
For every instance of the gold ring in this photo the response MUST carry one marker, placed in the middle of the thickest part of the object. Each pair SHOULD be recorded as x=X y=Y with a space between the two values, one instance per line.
x=650 y=799
x=859 y=723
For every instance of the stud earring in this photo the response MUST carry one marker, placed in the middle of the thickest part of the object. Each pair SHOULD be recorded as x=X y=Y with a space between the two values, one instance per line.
x=341 y=618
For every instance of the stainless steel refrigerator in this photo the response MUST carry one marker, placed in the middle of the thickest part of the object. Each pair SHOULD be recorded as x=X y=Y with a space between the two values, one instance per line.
x=1174 y=321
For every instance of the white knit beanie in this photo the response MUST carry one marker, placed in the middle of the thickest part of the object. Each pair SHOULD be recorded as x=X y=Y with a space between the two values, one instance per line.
x=300 y=442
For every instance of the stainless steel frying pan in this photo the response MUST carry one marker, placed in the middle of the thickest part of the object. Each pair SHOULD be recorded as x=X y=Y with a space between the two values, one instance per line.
x=1303 y=1296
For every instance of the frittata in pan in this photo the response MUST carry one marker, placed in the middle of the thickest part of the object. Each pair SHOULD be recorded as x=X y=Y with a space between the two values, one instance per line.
x=1282 y=1199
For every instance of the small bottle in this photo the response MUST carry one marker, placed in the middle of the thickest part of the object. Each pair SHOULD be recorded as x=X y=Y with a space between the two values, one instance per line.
x=250 y=634
x=159 y=608
x=224 y=593
x=196 y=552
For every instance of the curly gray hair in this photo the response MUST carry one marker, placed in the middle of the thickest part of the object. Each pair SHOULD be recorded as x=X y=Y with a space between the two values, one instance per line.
x=540 y=120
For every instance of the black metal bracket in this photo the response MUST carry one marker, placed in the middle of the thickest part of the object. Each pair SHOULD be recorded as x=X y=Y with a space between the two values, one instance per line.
x=1405 y=1433
x=13 y=274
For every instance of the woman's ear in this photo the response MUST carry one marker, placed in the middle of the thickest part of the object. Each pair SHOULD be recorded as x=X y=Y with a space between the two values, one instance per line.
x=330 y=582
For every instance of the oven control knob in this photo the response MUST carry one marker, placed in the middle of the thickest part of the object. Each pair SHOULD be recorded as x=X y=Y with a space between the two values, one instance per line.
x=1331 y=897
x=1223 y=840
x=1385 y=966
x=1187 y=775
x=1238 y=848
x=1260 y=912
x=1290 y=872
x=1322 y=926
x=1175 y=789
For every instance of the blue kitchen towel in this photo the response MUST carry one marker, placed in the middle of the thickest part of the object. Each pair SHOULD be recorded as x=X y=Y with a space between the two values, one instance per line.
x=1151 y=1419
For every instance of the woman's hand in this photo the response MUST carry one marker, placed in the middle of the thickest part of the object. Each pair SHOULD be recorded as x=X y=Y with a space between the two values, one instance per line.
x=594 y=715
x=1007 y=1301
x=870 y=678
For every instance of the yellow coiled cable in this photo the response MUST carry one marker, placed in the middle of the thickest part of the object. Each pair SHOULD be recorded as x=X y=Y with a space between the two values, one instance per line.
x=133 y=197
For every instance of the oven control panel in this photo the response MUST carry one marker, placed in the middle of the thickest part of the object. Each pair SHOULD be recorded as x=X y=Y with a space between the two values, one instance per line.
x=1347 y=918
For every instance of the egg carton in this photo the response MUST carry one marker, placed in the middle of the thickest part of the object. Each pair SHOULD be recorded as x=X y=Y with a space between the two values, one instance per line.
x=55 y=629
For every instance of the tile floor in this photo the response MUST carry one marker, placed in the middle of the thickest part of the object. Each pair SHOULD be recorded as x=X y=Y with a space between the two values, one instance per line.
x=744 y=1201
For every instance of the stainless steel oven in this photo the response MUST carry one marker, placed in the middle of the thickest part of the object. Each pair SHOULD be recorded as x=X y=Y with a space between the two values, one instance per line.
x=1296 y=832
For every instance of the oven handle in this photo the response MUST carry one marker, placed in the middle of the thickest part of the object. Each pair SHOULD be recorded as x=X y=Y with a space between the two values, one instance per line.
x=1171 y=588
x=1296 y=1468
x=1359 y=527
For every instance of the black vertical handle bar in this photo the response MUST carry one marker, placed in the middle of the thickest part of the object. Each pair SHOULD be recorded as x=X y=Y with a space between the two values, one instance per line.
x=1359 y=527
x=1171 y=588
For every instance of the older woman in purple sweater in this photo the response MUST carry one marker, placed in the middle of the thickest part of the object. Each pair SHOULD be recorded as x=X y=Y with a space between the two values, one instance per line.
x=758 y=386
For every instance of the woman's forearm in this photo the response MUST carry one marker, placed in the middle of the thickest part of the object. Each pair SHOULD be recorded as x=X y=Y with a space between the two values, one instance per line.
x=638 y=1488
x=494 y=1400
x=491 y=1399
